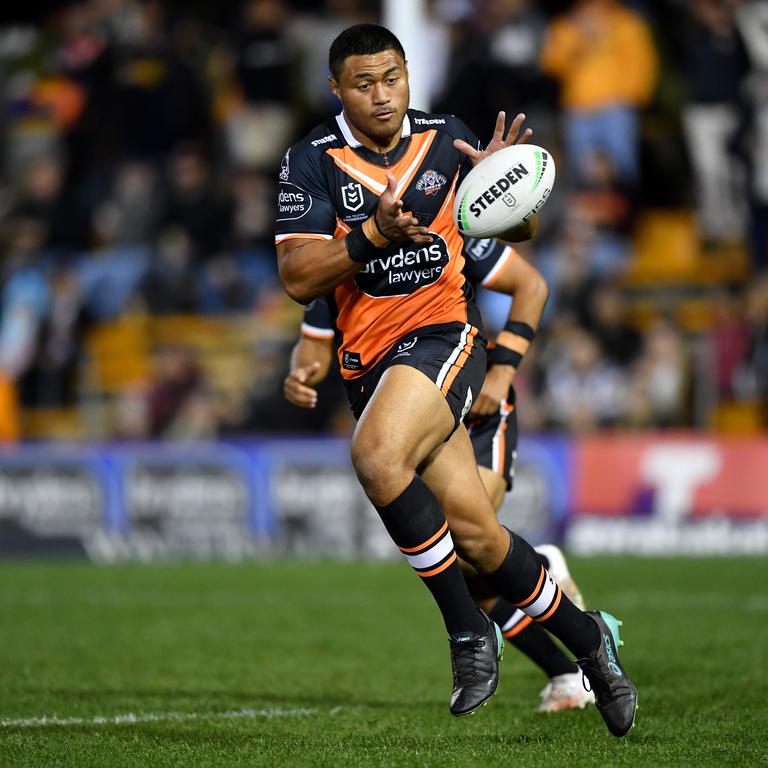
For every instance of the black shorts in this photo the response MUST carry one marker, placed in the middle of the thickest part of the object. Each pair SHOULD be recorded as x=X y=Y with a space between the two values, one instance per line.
x=494 y=438
x=452 y=355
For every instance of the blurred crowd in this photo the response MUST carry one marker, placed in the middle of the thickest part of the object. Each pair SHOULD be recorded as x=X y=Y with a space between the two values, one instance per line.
x=140 y=146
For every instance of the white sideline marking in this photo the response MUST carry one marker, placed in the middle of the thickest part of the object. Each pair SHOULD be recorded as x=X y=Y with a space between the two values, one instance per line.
x=130 y=718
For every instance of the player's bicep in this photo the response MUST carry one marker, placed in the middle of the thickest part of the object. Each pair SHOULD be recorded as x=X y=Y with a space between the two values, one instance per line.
x=304 y=205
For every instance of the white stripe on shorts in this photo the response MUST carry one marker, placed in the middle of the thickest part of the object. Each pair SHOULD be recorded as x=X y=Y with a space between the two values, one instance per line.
x=433 y=555
x=496 y=459
x=453 y=356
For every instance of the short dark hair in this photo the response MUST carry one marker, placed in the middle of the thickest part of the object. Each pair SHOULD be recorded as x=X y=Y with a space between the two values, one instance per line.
x=361 y=40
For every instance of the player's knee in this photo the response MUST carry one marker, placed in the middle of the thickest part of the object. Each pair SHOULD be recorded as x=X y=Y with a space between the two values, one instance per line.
x=381 y=473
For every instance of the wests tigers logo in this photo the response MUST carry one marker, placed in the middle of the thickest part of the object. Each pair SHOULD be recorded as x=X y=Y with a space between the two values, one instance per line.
x=431 y=182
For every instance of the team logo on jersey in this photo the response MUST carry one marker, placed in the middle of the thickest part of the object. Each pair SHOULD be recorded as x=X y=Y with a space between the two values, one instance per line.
x=352 y=196
x=285 y=171
x=431 y=182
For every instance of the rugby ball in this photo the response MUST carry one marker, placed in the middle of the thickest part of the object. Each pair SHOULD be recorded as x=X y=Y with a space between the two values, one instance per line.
x=504 y=190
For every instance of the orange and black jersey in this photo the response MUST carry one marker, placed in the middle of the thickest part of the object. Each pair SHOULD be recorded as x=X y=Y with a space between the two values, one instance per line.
x=330 y=184
x=484 y=261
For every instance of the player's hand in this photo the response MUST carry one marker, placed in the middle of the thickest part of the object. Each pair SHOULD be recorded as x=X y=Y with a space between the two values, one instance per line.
x=297 y=386
x=393 y=223
x=499 y=141
x=495 y=389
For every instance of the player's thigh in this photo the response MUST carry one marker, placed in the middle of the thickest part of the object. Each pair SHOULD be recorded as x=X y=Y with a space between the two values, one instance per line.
x=406 y=418
x=452 y=475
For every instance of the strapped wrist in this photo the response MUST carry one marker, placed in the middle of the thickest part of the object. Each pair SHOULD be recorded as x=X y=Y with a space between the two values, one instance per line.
x=520 y=329
x=500 y=355
x=359 y=248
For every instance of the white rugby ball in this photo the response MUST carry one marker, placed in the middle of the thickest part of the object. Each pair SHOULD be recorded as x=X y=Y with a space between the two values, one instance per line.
x=504 y=190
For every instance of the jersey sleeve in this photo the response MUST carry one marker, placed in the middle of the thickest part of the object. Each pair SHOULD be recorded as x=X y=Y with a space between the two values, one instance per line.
x=485 y=260
x=304 y=205
x=318 y=322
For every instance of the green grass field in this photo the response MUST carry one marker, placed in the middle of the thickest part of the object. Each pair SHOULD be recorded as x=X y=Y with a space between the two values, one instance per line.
x=327 y=664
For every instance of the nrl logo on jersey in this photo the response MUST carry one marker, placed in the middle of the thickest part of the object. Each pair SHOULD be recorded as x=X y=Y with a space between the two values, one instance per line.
x=352 y=196
x=284 y=168
x=430 y=182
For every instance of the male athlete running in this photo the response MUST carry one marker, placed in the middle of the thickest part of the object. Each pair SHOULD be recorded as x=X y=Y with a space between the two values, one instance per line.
x=364 y=217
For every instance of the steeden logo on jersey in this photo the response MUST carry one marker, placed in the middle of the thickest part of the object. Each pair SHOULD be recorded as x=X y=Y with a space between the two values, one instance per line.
x=431 y=182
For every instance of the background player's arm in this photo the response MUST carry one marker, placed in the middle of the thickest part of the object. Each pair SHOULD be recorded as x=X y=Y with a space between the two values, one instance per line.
x=310 y=362
x=529 y=291
x=310 y=268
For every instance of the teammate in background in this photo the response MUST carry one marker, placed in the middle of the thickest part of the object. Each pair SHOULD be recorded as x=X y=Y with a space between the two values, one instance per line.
x=365 y=217
x=492 y=427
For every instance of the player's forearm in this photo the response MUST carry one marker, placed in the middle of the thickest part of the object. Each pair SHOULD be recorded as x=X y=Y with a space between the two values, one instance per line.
x=530 y=298
x=314 y=268
x=306 y=352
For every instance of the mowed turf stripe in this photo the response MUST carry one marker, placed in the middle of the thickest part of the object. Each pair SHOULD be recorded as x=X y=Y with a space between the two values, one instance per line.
x=131 y=718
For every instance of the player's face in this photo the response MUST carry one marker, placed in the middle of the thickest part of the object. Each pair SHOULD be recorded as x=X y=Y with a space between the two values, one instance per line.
x=374 y=92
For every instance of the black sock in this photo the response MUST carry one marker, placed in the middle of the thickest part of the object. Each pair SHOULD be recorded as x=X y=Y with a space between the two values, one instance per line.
x=524 y=581
x=418 y=527
x=527 y=636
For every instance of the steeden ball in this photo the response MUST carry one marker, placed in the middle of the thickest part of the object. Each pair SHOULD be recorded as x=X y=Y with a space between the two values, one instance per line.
x=503 y=193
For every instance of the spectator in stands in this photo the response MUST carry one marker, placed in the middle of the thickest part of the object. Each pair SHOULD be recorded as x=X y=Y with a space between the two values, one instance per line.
x=660 y=379
x=583 y=391
x=497 y=63
x=193 y=204
x=135 y=195
x=605 y=202
x=25 y=297
x=607 y=321
x=171 y=283
x=177 y=383
x=51 y=380
x=715 y=67
x=266 y=67
x=111 y=272
x=604 y=57
x=158 y=101
x=754 y=376
x=729 y=342
x=45 y=198
x=313 y=33
x=752 y=143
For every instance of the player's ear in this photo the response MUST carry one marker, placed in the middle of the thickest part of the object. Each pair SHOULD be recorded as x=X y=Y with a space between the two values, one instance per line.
x=334 y=86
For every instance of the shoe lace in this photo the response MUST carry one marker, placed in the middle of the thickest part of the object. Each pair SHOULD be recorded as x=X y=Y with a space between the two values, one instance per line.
x=465 y=656
x=601 y=688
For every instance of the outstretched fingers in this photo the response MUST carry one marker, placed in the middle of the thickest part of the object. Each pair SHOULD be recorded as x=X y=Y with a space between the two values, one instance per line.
x=513 y=136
